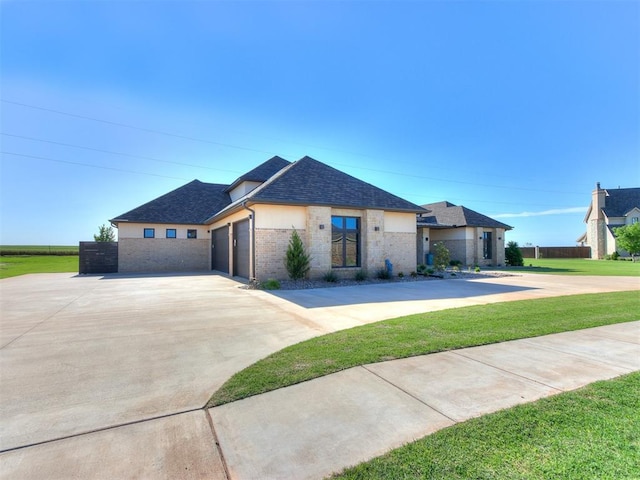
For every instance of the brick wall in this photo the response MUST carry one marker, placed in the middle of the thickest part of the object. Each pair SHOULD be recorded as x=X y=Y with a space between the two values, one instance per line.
x=400 y=249
x=271 y=251
x=163 y=255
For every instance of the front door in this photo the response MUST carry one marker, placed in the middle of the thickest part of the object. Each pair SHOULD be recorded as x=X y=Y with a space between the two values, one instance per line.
x=241 y=247
x=220 y=249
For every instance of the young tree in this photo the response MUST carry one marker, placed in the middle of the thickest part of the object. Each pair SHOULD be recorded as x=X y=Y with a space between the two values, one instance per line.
x=628 y=238
x=298 y=260
x=441 y=256
x=513 y=255
x=105 y=234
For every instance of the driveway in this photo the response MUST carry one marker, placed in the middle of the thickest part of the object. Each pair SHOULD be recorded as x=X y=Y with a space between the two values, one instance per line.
x=109 y=374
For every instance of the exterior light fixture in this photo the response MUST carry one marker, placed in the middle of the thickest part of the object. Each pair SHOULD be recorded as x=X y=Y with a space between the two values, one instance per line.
x=377 y=229
x=322 y=226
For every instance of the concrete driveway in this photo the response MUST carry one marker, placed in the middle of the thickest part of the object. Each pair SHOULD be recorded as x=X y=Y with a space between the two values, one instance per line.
x=107 y=376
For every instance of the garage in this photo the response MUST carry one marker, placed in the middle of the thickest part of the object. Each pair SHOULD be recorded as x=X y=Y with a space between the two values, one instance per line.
x=220 y=249
x=241 y=246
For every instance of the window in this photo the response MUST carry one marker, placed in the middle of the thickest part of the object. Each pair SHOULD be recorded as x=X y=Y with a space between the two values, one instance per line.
x=149 y=233
x=192 y=233
x=634 y=220
x=345 y=242
x=487 y=252
x=171 y=233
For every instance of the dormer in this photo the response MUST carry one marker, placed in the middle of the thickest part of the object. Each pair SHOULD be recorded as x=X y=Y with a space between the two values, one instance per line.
x=256 y=177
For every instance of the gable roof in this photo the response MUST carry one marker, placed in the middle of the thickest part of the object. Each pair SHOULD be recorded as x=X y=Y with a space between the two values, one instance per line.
x=450 y=215
x=262 y=172
x=310 y=182
x=192 y=203
x=618 y=202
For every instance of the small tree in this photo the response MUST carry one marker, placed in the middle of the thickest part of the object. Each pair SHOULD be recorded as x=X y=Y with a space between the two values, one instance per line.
x=513 y=255
x=298 y=260
x=441 y=257
x=105 y=234
x=628 y=238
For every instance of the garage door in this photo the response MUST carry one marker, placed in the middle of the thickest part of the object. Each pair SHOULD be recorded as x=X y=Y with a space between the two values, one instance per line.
x=241 y=246
x=220 y=250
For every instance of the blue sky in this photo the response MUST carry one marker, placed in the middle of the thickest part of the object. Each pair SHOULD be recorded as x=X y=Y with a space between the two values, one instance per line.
x=513 y=109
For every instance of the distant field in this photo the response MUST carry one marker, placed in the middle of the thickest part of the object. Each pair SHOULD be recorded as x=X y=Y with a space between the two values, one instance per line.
x=39 y=250
x=580 y=266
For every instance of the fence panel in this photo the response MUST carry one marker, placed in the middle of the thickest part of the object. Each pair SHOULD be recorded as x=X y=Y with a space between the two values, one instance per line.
x=556 y=252
x=98 y=257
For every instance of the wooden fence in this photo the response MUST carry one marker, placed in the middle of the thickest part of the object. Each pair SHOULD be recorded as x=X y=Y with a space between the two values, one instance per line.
x=556 y=252
x=98 y=257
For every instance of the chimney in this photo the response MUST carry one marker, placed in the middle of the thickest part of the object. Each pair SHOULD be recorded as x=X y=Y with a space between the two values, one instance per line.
x=598 y=186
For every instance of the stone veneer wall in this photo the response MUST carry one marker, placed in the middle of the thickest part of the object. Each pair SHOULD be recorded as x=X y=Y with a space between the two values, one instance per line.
x=163 y=255
x=400 y=249
x=318 y=241
x=372 y=242
x=271 y=250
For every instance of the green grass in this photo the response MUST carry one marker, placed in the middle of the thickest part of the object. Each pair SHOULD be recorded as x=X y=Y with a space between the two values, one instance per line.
x=580 y=266
x=427 y=333
x=38 y=250
x=589 y=433
x=12 y=266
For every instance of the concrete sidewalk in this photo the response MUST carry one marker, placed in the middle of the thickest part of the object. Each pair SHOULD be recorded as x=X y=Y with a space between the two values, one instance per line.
x=310 y=430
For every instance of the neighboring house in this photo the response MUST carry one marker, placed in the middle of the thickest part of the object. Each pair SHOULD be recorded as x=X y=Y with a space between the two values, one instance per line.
x=609 y=209
x=472 y=238
x=243 y=229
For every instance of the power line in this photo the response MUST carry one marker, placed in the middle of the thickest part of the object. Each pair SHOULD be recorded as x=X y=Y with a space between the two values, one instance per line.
x=89 y=165
x=195 y=139
x=115 y=153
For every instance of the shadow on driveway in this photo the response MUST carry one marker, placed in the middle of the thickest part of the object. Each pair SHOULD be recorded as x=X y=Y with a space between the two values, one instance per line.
x=394 y=292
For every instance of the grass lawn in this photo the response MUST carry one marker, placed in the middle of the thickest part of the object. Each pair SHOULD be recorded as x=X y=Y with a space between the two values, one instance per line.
x=589 y=433
x=12 y=266
x=39 y=249
x=427 y=333
x=580 y=266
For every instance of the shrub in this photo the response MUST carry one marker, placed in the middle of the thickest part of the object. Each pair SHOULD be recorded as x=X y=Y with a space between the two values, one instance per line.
x=297 y=260
x=456 y=268
x=441 y=257
x=400 y=275
x=455 y=263
x=422 y=268
x=430 y=271
x=414 y=274
x=615 y=256
x=383 y=274
x=513 y=255
x=477 y=269
x=330 y=276
x=361 y=275
x=271 y=284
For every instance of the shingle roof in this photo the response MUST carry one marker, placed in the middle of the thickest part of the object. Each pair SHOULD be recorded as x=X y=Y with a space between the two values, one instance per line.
x=619 y=201
x=192 y=203
x=310 y=182
x=448 y=214
x=262 y=172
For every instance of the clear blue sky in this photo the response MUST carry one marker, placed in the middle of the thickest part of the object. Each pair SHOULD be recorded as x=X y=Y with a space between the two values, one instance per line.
x=513 y=109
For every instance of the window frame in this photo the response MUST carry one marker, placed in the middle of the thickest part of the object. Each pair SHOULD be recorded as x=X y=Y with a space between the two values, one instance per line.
x=174 y=231
x=346 y=232
x=192 y=233
x=487 y=245
x=149 y=233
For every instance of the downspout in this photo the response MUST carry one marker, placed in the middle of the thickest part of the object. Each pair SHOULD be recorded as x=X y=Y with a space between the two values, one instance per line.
x=252 y=264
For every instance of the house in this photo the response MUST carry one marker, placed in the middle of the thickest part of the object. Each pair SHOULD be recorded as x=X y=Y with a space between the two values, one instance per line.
x=610 y=208
x=471 y=237
x=243 y=229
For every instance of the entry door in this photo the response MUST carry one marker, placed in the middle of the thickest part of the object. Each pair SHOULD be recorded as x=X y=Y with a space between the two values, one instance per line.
x=220 y=249
x=241 y=245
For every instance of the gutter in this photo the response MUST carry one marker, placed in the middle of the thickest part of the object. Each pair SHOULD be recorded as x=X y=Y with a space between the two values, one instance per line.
x=252 y=263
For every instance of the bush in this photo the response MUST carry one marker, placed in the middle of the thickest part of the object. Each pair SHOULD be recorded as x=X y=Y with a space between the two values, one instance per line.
x=330 y=276
x=383 y=274
x=430 y=271
x=441 y=257
x=297 y=260
x=422 y=268
x=271 y=284
x=615 y=256
x=361 y=275
x=400 y=275
x=414 y=274
x=513 y=255
x=477 y=269
x=455 y=263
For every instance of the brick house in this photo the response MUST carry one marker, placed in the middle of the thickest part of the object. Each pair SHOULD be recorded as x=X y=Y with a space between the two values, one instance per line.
x=609 y=208
x=243 y=229
x=471 y=237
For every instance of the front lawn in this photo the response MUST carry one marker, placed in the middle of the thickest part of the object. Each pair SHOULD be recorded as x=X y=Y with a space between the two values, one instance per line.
x=589 y=433
x=427 y=333
x=11 y=266
x=579 y=266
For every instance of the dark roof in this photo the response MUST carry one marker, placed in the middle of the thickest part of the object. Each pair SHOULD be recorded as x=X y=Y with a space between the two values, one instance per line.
x=262 y=172
x=619 y=201
x=310 y=182
x=192 y=203
x=450 y=215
